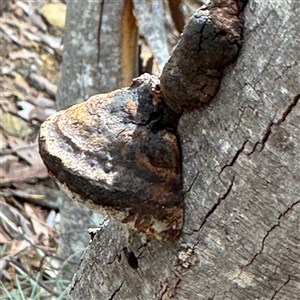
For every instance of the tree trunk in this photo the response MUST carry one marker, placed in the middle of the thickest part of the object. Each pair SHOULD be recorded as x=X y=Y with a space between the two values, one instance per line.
x=240 y=238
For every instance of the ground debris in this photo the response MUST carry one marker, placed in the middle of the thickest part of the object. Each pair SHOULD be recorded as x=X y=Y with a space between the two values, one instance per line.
x=30 y=55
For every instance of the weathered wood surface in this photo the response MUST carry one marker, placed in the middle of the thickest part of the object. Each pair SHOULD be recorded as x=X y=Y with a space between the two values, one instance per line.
x=104 y=36
x=241 y=166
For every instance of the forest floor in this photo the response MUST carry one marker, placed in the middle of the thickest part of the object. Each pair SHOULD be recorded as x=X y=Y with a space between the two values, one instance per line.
x=31 y=53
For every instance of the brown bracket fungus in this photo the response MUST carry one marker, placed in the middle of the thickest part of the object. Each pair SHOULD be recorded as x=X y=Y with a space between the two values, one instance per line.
x=119 y=153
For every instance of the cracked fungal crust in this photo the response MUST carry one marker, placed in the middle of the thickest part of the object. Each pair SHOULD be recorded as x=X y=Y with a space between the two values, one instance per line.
x=210 y=41
x=119 y=153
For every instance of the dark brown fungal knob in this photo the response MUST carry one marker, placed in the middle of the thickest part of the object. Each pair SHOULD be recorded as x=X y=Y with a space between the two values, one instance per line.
x=210 y=41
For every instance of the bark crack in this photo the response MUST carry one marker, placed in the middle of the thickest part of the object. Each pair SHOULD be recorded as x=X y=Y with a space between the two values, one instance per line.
x=193 y=182
x=201 y=35
x=113 y=260
x=166 y=287
x=116 y=291
x=99 y=31
x=269 y=231
x=213 y=209
x=177 y=284
x=262 y=244
x=289 y=109
x=163 y=291
x=268 y=131
x=277 y=291
x=235 y=157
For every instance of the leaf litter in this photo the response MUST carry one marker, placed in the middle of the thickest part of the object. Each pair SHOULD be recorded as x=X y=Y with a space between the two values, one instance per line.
x=30 y=54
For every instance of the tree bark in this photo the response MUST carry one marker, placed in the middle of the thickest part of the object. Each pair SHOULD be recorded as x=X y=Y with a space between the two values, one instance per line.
x=241 y=169
x=104 y=36
x=150 y=18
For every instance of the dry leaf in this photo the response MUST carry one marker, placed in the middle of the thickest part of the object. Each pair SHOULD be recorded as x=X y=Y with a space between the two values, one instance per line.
x=24 y=150
x=21 y=84
x=37 y=221
x=42 y=84
x=24 y=54
x=26 y=109
x=19 y=172
x=13 y=125
x=55 y=14
x=13 y=222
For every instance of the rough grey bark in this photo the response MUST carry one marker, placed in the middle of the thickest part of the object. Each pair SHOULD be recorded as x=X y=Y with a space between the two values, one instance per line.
x=241 y=166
